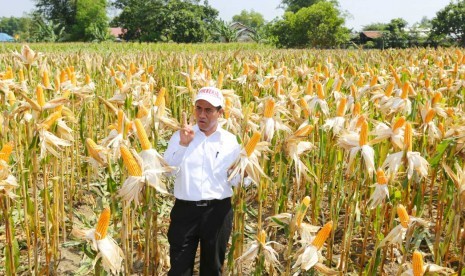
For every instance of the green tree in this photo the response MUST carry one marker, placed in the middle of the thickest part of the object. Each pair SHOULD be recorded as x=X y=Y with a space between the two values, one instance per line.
x=61 y=12
x=251 y=19
x=396 y=35
x=320 y=25
x=165 y=20
x=375 y=27
x=295 y=5
x=19 y=27
x=91 y=20
x=450 y=22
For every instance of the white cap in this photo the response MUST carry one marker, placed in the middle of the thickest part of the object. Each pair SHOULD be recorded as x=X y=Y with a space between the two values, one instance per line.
x=212 y=95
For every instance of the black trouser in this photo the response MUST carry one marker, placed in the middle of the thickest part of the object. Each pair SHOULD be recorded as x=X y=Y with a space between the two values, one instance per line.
x=190 y=223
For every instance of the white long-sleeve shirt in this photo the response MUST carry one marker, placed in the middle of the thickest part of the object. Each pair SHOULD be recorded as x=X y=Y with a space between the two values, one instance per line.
x=203 y=165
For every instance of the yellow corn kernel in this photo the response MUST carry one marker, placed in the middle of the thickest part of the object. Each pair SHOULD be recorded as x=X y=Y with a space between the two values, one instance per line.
x=301 y=211
x=389 y=89
x=6 y=151
x=227 y=108
x=442 y=129
x=245 y=70
x=427 y=83
x=277 y=87
x=396 y=77
x=40 y=96
x=403 y=216
x=119 y=83
x=363 y=133
x=269 y=108
x=417 y=262
x=112 y=72
x=326 y=71
x=93 y=150
x=45 y=79
x=399 y=123
x=219 y=82
x=102 y=224
x=189 y=84
x=436 y=98
x=63 y=76
x=430 y=115
x=360 y=81
x=250 y=147
x=191 y=69
x=142 y=111
x=322 y=235
x=408 y=137
x=130 y=162
x=374 y=81
x=381 y=177
x=319 y=91
x=132 y=68
x=405 y=90
x=142 y=135
x=151 y=69
x=160 y=97
x=304 y=131
x=309 y=89
x=357 y=108
x=341 y=107
x=352 y=70
x=88 y=80
x=120 y=68
x=51 y=119
x=57 y=83
x=303 y=103
x=11 y=98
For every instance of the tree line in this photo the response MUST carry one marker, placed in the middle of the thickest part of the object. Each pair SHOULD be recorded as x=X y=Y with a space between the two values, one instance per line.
x=305 y=23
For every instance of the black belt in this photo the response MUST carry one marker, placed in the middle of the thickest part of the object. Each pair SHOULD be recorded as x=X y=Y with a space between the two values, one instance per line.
x=201 y=203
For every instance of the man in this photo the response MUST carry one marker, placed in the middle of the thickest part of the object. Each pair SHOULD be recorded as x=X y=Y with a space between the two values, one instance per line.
x=202 y=210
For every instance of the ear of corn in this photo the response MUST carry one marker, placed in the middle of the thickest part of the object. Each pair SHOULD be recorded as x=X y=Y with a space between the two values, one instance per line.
x=304 y=131
x=436 y=98
x=269 y=108
x=417 y=262
x=430 y=115
x=6 y=151
x=51 y=119
x=381 y=177
x=389 y=89
x=319 y=91
x=399 y=123
x=160 y=97
x=93 y=152
x=102 y=224
x=363 y=133
x=250 y=147
x=130 y=162
x=40 y=96
x=120 y=121
x=301 y=211
x=341 y=108
x=309 y=89
x=403 y=215
x=357 y=108
x=219 y=82
x=261 y=237
x=322 y=235
x=45 y=79
x=142 y=135
x=21 y=75
x=405 y=90
x=408 y=137
x=374 y=81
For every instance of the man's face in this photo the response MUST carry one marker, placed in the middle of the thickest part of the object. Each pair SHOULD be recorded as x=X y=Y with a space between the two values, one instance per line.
x=207 y=116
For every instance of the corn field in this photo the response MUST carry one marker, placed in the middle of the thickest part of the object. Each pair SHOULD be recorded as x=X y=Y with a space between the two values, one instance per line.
x=355 y=158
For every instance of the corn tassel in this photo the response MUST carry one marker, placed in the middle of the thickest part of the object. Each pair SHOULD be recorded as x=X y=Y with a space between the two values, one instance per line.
x=130 y=162
x=102 y=224
x=142 y=135
x=250 y=147
x=322 y=235
x=403 y=215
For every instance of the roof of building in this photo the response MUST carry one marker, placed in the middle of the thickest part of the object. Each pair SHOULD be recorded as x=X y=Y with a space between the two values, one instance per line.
x=116 y=32
x=373 y=34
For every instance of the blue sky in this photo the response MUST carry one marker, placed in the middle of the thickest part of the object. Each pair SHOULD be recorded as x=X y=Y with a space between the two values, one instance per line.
x=363 y=12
